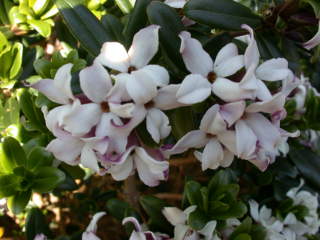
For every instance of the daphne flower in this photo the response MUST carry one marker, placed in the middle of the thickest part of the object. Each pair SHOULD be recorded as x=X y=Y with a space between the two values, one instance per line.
x=73 y=151
x=90 y=233
x=210 y=76
x=59 y=91
x=182 y=231
x=140 y=234
x=40 y=237
x=176 y=3
x=218 y=142
x=315 y=41
x=149 y=163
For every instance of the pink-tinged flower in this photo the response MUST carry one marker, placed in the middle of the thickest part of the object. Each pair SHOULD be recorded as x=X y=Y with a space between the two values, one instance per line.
x=207 y=76
x=218 y=142
x=40 y=236
x=90 y=233
x=140 y=234
x=58 y=89
x=150 y=165
x=315 y=41
x=182 y=231
x=140 y=80
x=257 y=140
x=73 y=116
x=73 y=151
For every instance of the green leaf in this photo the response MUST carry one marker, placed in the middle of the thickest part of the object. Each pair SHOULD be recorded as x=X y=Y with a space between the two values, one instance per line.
x=193 y=193
x=75 y=172
x=47 y=178
x=244 y=227
x=137 y=20
x=8 y=185
x=17 y=52
x=42 y=27
x=315 y=5
x=32 y=113
x=197 y=219
x=125 y=5
x=308 y=163
x=243 y=236
x=224 y=14
x=223 y=177
x=114 y=27
x=119 y=209
x=36 y=224
x=182 y=120
x=153 y=207
x=13 y=154
x=170 y=27
x=37 y=158
x=18 y=202
x=83 y=25
x=237 y=210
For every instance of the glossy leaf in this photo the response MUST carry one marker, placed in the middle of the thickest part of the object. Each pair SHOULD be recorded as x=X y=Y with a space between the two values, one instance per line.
x=224 y=14
x=13 y=154
x=18 y=202
x=37 y=158
x=83 y=25
x=47 y=178
x=8 y=185
x=36 y=224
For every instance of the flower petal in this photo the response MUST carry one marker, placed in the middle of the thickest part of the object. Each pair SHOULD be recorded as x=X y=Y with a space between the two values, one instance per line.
x=150 y=171
x=193 y=89
x=212 y=122
x=246 y=140
x=124 y=168
x=141 y=87
x=251 y=55
x=208 y=229
x=157 y=124
x=196 y=59
x=89 y=159
x=268 y=135
x=115 y=56
x=262 y=92
x=82 y=117
x=273 y=70
x=249 y=81
x=95 y=82
x=313 y=42
x=144 y=46
x=158 y=74
x=122 y=110
x=232 y=112
x=92 y=227
x=118 y=93
x=228 y=51
x=62 y=80
x=276 y=103
x=175 y=3
x=166 y=98
x=227 y=158
x=134 y=221
x=193 y=139
x=229 y=66
x=66 y=150
x=212 y=155
x=48 y=88
x=228 y=139
x=230 y=91
x=174 y=215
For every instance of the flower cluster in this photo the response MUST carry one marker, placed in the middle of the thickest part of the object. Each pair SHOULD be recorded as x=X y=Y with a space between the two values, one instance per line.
x=98 y=127
x=290 y=227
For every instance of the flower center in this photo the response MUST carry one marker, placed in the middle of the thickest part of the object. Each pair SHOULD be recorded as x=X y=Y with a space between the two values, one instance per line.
x=149 y=105
x=104 y=107
x=131 y=69
x=212 y=77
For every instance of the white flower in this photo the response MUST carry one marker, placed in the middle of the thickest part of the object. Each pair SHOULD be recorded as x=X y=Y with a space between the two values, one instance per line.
x=151 y=166
x=182 y=231
x=218 y=142
x=73 y=151
x=90 y=233
x=197 y=86
x=176 y=3
x=315 y=41
x=139 y=234
x=40 y=237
